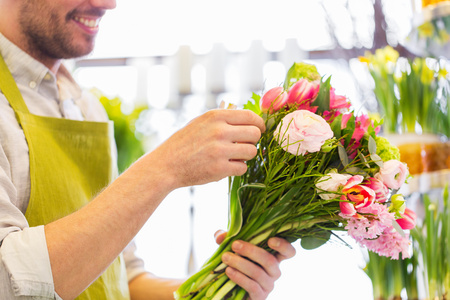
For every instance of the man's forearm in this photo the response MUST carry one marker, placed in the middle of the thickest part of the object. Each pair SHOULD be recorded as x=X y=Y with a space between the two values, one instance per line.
x=149 y=287
x=82 y=245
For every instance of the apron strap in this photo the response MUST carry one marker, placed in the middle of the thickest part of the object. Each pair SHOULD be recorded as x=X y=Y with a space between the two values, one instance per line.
x=9 y=88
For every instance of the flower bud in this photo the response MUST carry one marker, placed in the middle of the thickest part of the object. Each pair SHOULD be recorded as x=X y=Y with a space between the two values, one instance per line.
x=274 y=99
x=328 y=145
x=408 y=220
x=381 y=191
x=398 y=205
x=303 y=92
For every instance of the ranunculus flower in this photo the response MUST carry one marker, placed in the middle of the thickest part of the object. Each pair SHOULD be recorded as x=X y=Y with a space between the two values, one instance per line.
x=358 y=194
x=393 y=174
x=381 y=191
x=338 y=101
x=408 y=220
x=274 y=99
x=332 y=182
x=302 y=131
x=303 y=93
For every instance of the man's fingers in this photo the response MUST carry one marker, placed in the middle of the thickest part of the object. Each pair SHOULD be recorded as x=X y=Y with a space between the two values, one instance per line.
x=245 y=134
x=267 y=261
x=245 y=117
x=284 y=249
x=220 y=235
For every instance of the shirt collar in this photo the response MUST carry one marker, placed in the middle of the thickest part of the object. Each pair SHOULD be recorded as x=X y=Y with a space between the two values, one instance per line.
x=30 y=72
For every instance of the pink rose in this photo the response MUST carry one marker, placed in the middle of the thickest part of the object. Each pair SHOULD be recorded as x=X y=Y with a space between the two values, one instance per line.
x=274 y=99
x=332 y=182
x=393 y=174
x=302 y=131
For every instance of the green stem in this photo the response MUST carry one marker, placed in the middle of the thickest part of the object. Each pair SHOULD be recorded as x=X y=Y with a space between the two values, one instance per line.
x=216 y=285
x=224 y=290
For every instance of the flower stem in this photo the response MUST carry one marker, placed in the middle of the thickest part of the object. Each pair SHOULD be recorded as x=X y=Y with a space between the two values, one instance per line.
x=224 y=290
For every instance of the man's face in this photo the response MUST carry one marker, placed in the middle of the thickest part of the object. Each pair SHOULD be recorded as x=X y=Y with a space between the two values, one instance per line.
x=58 y=29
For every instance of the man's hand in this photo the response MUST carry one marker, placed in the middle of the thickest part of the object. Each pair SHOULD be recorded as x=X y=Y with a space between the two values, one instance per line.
x=253 y=268
x=211 y=147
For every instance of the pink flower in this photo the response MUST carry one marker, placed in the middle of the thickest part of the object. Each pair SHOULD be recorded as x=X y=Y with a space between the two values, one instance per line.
x=358 y=194
x=389 y=244
x=393 y=174
x=274 y=99
x=347 y=208
x=369 y=223
x=303 y=93
x=362 y=124
x=302 y=131
x=337 y=101
x=381 y=191
x=332 y=182
x=408 y=220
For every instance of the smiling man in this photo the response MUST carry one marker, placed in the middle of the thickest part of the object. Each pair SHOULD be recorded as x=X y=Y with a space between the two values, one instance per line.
x=67 y=221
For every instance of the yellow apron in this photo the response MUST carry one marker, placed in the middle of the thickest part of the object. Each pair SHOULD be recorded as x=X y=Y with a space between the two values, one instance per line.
x=70 y=162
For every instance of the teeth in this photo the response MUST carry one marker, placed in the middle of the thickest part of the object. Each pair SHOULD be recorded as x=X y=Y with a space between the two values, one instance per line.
x=92 y=23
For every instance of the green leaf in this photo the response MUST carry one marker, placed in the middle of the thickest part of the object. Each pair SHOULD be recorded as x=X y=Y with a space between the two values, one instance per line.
x=343 y=156
x=336 y=126
x=235 y=209
x=372 y=145
x=253 y=104
x=323 y=98
x=349 y=129
x=363 y=159
x=377 y=159
x=313 y=242
x=300 y=70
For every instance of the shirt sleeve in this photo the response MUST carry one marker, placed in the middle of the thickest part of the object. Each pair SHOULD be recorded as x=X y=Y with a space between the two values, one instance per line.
x=134 y=264
x=24 y=261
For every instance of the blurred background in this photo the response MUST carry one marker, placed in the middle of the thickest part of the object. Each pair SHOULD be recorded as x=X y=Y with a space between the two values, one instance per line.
x=158 y=64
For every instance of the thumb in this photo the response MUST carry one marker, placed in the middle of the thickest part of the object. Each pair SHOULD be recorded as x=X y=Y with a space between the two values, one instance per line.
x=220 y=236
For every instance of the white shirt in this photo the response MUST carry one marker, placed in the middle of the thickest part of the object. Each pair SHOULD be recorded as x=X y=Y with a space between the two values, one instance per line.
x=25 y=270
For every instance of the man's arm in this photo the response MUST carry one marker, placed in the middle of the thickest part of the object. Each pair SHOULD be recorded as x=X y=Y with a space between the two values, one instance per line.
x=211 y=147
x=149 y=287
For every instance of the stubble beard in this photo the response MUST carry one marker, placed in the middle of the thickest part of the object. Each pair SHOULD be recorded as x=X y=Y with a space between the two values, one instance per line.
x=46 y=34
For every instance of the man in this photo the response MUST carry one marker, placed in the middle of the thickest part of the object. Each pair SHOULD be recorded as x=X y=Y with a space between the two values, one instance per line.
x=55 y=156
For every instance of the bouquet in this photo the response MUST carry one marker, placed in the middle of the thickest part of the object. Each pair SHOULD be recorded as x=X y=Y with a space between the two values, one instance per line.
x=319 y=169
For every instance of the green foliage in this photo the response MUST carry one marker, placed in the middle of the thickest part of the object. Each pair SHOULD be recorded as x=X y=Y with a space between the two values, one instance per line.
x=386 y=150
x=129 y=143
x=432 y=245
x=323 y=98
x=411 y=93
x=253 y=104
x=428 y=268
x=300 y=70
